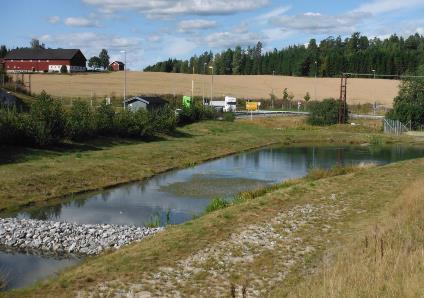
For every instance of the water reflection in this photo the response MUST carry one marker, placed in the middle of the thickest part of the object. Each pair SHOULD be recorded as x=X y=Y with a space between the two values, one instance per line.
x=136 y=203
x=186 y=192
x=21 y=269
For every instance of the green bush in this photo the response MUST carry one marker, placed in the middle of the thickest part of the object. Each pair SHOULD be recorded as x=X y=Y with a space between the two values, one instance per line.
x=12 y=127
x=325 y=112
x=196 y=113
x=81 y=122
x=163 y=120
x=47 y=121
x=216 y=204
x=229 y=116
x=408 y=106
x=105 y=115
x=132 y=124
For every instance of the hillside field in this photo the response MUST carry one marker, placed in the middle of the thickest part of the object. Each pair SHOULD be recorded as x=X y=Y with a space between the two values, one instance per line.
x=247 y=87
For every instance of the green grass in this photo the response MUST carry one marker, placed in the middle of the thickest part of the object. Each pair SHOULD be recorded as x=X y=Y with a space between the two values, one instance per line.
x=30 y=176
x=216 y=204
x=362 y=194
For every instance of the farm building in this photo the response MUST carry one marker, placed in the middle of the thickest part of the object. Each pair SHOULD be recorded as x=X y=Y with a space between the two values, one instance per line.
x=145 y=102
x=117 y=66
x=44 y=60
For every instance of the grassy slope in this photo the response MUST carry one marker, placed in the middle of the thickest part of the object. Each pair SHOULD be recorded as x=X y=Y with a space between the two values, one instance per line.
x=386 y=259
x=30 y=176
x=343 y=206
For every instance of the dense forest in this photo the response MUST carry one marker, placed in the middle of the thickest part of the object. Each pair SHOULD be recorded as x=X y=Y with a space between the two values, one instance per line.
x=331 y=57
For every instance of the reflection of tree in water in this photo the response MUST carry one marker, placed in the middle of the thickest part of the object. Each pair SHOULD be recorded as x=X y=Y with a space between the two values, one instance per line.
x=105 y=195
x=46 y=213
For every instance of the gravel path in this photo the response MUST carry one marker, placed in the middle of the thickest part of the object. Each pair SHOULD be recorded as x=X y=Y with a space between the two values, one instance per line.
x=66 y=238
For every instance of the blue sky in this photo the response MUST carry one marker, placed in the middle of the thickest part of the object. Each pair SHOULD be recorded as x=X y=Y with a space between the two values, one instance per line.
x=153 y=30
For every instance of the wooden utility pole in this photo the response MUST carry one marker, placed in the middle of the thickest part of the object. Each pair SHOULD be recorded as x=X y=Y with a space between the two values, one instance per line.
x=343 y=96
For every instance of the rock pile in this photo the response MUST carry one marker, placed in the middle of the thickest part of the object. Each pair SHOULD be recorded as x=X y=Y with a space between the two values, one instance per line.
x=64 y=238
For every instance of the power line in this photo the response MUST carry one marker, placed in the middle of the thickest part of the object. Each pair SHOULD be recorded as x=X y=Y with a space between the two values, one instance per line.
x=380 y=75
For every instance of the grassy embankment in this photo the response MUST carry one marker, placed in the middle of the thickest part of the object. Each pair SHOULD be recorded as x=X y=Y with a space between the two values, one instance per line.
x=356 y=234
x=35 y=175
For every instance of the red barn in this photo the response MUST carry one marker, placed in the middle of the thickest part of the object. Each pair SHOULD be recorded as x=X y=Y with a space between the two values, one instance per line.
x=117 y=66
x=44 y=60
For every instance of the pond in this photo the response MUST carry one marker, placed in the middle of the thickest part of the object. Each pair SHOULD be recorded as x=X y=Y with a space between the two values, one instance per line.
x=177 y=196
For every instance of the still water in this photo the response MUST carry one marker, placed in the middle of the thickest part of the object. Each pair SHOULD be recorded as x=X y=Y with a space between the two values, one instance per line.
x=177 y=196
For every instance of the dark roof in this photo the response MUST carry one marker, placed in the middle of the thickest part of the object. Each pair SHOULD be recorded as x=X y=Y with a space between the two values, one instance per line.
x=155 y=100
x=7 y=99
x=119 y=62
x=41 y=54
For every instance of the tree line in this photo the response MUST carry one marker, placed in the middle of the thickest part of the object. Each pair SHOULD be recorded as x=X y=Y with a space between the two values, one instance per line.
x=395 y=55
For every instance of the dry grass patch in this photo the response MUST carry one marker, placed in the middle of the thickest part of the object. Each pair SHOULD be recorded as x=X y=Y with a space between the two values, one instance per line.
x=388 y=261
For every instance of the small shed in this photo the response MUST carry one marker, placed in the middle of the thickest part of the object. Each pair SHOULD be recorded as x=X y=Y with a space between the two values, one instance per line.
x=117 y=66
x=145 y=102
x=7 y=99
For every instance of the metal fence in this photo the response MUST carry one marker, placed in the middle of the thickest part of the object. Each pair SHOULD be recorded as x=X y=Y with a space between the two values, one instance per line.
x=394 y=127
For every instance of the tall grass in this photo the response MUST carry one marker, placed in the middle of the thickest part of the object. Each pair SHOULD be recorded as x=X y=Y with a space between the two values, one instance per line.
x=216 y=204
x=320 y=173
x=313 y=174
x=387 y=260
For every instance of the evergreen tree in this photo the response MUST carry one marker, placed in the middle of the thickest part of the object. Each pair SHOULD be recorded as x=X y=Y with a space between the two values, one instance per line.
x=104 y=58
x=333 y=56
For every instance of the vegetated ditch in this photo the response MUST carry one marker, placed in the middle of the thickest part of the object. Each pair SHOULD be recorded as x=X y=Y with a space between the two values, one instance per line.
x=177 y=196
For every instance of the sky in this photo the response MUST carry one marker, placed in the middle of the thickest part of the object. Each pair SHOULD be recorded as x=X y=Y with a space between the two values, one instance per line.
x=154 y=30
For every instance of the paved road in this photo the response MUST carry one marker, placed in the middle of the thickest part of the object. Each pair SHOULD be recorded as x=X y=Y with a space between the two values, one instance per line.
x=247 y=114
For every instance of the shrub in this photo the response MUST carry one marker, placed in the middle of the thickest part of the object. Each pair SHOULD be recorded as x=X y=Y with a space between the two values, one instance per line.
x=325 y=112
x=12 y=127
x=63 y=69
x=163 y=120
x=229 y=116
x=81 y=123
x=409 y=104
x=47 y=121
x=196 y=113
x=105 y=115
x=216 y=204
x=133 y=124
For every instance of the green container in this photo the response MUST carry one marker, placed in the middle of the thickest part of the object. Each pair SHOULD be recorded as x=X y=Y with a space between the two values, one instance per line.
x=187 y=101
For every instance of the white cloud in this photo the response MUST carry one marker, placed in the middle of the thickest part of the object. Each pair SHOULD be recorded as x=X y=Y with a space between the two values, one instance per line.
x=384 y=6
x=273 y=13
x=322 y=24
x=53 y=19
x=90 y=40
x=81 y=22
x=163 y=8
x=179 y=47
x=229 y=39
x=273 y=34
x=193 y=25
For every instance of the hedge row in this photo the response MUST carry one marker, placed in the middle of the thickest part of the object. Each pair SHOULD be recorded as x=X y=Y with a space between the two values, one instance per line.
x=48 y=123
x=325 y=112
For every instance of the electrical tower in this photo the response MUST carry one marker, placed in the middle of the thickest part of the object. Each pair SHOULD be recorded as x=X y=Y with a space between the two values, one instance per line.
x=343 y=95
